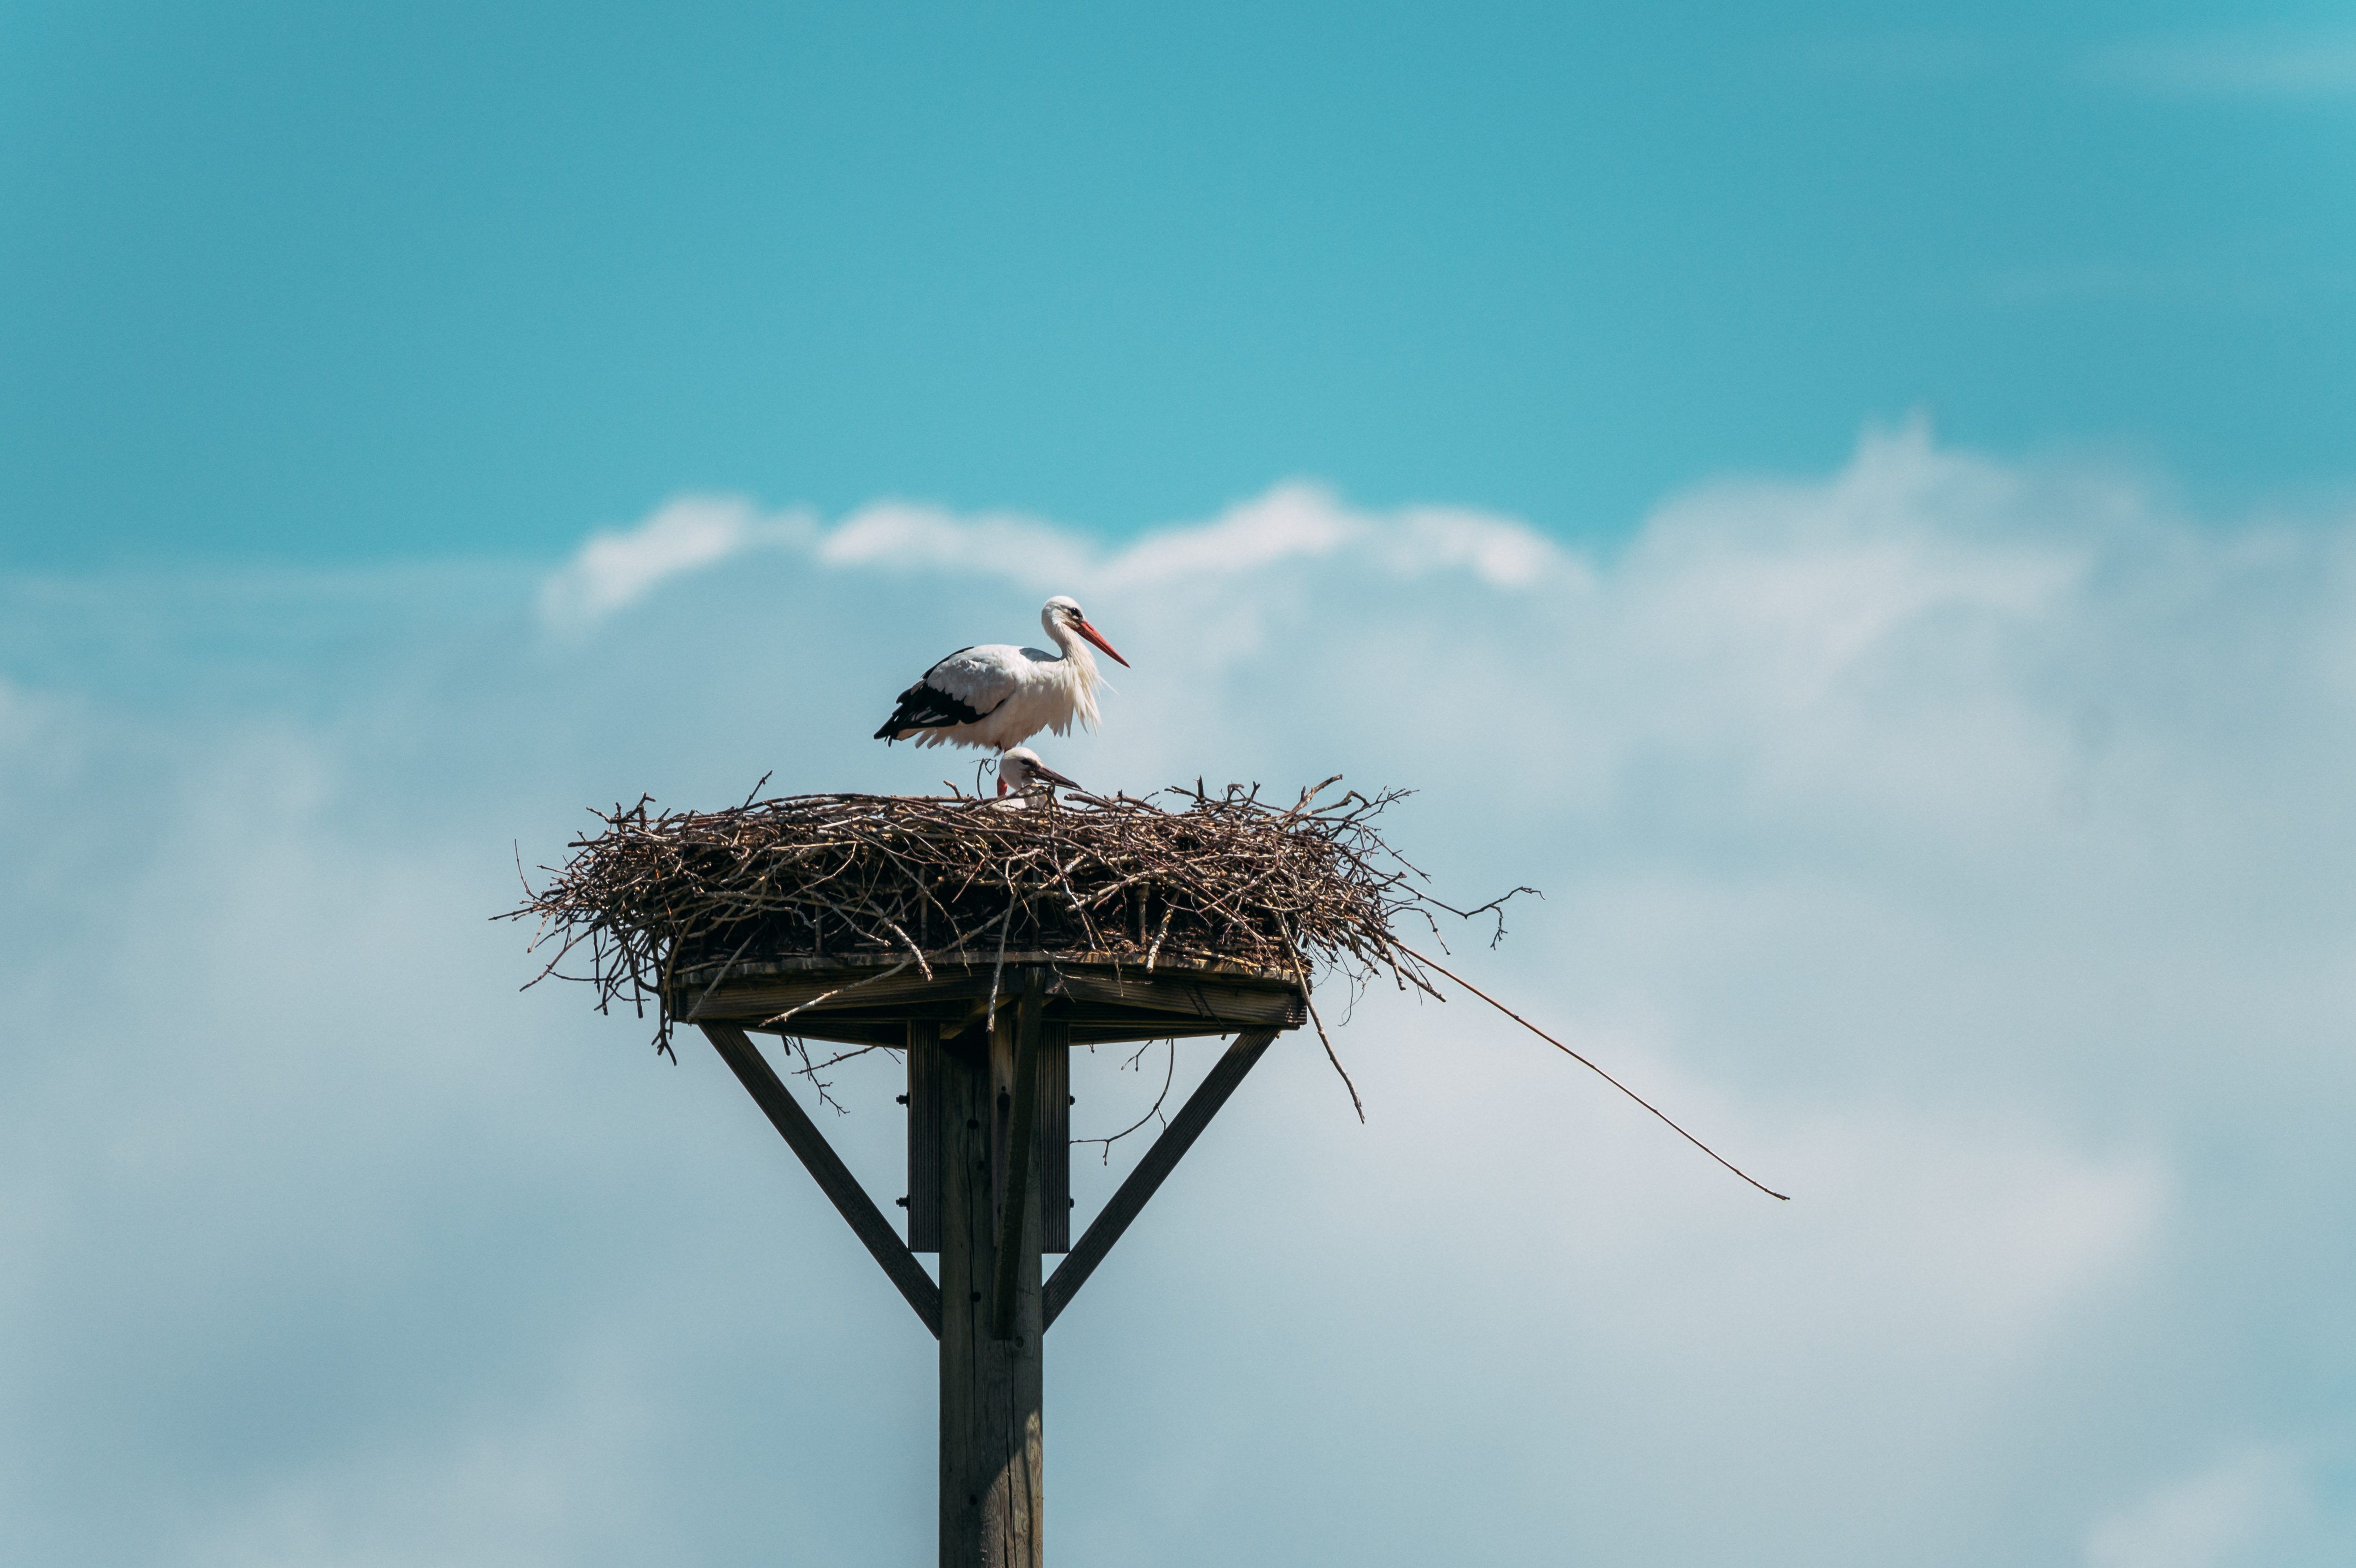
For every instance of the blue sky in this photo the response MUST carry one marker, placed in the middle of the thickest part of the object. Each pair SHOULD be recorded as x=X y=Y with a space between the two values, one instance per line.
x=292 y=284
x=1854 y=506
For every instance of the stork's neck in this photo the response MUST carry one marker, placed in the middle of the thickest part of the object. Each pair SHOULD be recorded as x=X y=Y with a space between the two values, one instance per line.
x=1077 y=653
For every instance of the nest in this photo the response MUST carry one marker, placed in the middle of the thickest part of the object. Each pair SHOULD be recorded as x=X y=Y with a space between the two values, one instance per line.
x=1307 y=890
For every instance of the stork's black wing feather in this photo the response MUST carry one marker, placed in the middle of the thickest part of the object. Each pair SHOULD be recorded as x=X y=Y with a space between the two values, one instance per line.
x=968 y=686
x=924 y=707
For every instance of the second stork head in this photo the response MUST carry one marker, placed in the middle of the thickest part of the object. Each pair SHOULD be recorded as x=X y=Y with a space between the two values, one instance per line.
x=1021 y=776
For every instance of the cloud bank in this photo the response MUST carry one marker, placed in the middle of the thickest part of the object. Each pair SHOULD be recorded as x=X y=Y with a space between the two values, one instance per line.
x=1960 y=843
x=1295 y=523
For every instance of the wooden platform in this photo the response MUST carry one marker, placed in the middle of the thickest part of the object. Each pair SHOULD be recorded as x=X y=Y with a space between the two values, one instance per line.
x=1094 y=999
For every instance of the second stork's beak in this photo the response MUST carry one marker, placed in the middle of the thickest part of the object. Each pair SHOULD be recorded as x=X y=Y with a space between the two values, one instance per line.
x=1042 y=772
x=1092 y=635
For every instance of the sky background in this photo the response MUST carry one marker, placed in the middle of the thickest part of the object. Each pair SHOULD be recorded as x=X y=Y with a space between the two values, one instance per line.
x=1854 y=505
x=295 y=284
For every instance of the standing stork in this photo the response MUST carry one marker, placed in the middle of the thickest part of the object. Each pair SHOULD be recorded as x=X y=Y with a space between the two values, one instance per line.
x=998 y=695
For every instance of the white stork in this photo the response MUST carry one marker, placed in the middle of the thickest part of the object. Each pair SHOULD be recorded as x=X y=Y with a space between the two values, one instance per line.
x=998 y=695
x=1023 y=780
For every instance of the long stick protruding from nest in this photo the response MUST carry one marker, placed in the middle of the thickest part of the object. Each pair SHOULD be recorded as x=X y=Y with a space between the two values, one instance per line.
x=1591 y=1066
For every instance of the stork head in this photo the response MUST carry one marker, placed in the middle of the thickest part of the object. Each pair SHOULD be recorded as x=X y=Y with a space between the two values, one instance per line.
x=1064 y=622
x=1019 y=772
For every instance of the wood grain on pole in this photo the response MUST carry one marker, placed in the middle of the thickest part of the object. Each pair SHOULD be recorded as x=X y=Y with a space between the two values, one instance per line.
x=1130 y=1200
x=1018 y=1204
x=826 y=1168
x=991 y=1455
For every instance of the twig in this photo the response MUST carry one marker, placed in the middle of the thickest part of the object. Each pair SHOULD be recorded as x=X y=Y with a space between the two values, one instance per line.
x=1600 y=1074
x=1336 y=1061
x=1152 y=1111
x=830 y=996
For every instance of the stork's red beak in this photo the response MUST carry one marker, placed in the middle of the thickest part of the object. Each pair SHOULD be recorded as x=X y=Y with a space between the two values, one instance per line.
x=1092 y=635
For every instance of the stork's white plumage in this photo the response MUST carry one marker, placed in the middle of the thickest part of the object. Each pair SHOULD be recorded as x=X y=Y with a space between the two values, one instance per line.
x=998 y=695
x=1023 y=780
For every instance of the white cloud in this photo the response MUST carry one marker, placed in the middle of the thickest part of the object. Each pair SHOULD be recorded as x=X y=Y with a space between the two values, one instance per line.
x=895 y=536
x=1289 y=522
x=618 y=567
x=1308 y=522
x=1292 y=522
x=2230 y=66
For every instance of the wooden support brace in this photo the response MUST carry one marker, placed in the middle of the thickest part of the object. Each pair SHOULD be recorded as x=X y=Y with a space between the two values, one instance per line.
x=1014 y=1206
x=826 y=1168
x=1129 y=1200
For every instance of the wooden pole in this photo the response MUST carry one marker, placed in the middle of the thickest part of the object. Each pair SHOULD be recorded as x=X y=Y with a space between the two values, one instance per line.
x=1018 y=1201
x=991 y=1456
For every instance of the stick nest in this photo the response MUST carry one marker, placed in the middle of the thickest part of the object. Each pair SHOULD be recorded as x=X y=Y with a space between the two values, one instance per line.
x=1309 y=891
